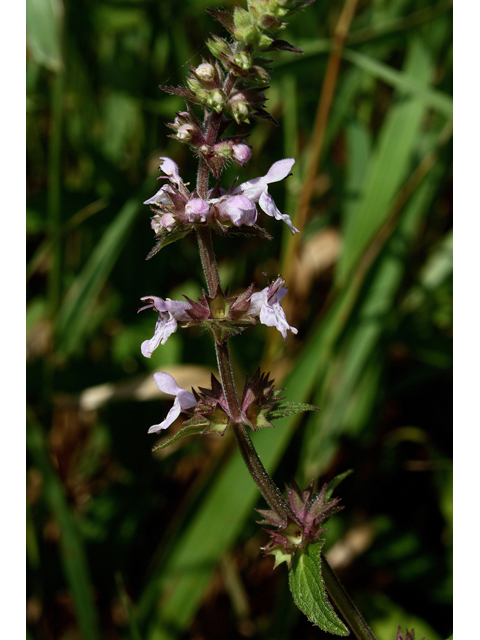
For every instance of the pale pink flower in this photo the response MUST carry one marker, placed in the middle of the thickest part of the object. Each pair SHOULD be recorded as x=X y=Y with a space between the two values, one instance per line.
x=183 y=400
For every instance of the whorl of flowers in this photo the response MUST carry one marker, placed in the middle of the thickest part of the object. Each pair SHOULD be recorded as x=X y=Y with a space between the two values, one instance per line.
x=309 y=511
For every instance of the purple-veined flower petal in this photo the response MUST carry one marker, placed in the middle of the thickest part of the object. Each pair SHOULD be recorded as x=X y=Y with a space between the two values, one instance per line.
x=241 y=153
x=268 y=205
x=266 y=306
x=169 y=312
x=170 y=168
x=165 y=326
x=238 y=209
x=177 y=308
x=253 y=189
x=183 y=400
x=257 y=190
x=279 y=170
x=160 y=197
x=257 y=301
x=272 y=315
x=197 y=210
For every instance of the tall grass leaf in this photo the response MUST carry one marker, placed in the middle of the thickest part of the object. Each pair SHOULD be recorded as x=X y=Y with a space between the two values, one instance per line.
x=74 y=315
x=44 y=19
x=437 y=268
x=389 y=615
x=388 y=167
x=122 y=117
x=72 y=552
x=405 y=83
x=359 y=144
x=350 y=374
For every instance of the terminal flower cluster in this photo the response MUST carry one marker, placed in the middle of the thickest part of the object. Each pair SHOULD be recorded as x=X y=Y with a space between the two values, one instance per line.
x=187 y=129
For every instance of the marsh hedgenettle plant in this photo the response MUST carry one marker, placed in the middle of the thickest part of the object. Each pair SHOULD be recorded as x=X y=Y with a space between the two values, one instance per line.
x=229 y=88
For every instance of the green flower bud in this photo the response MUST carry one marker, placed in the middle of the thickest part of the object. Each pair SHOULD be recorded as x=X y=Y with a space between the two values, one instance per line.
x=280 y=8
x=269 y=22
x=240 y=111
x=243 y=60
x=196 y=88
x=193 y=84
x=218 y=47
x=223 y=149
x=242 y=19
x=264 y=42
x=216 y=100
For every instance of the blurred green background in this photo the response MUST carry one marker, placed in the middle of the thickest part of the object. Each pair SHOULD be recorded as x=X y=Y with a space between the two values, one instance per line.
x=123 y=543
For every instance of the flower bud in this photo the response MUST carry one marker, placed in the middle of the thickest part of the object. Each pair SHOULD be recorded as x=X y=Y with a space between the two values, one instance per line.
x=242 y=18
x=196 y=210
x=205 y=71
x=195 y=87
x=184 y=132
x=223 y=149
x=218 y=47
x=216 y=100
x=243 y=60
x=241 y=153
x=269 y=22
x=249 y=35
x=161 y=223
x=193 y=84
x=264 y=42
x=238 y=210
x=240 y=111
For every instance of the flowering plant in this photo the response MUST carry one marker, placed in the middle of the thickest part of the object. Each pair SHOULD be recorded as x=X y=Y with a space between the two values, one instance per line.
x=229 y=87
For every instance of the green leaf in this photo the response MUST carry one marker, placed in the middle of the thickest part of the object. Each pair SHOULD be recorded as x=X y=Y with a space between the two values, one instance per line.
x=166 y=237
x=71 y=545
x=75 y=314
x=309 y=593
x=44 y=26
x=189 y=429
x=403 y=82
x=334 y=482
x=284 y=409
x=388 y=166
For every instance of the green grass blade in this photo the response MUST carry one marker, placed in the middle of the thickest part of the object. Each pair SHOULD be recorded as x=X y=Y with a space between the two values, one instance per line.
x=405 y=83
x=355 y=372
x=74 y=316
x=44 y=19
x=73 y=556
x=359 y=145
x=388 y=167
